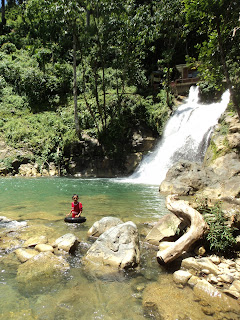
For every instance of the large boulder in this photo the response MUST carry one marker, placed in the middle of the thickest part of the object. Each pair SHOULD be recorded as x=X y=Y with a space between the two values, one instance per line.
x=118 y=247
x=42 y=270
x=103 y=225
x=186 y=178
x=165 y=229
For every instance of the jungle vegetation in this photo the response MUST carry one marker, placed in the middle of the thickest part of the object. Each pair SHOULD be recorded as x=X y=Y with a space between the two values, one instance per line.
x=69 y=67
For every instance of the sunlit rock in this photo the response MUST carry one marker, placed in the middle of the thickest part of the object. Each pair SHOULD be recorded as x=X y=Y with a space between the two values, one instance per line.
x=165 y=229
x=103 y=225
x=190 y=263
x=42 y=247
x=67 y=242
x=118 y=247
x=33 y=241
x=181 y=277
x=206 y=263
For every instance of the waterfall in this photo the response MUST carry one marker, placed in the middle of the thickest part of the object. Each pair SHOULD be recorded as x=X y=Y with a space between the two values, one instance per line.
x=186 y=137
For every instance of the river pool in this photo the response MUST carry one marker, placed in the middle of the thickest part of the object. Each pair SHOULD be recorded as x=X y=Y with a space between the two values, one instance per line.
x=43 y=203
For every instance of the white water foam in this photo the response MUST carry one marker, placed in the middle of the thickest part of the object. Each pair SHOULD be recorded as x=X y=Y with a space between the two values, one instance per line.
x=186 y=137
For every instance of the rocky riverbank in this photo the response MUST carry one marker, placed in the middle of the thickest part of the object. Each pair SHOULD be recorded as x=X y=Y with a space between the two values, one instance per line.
x=41 y=260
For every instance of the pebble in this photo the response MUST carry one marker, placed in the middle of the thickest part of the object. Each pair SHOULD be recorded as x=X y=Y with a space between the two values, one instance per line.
x=215 y=259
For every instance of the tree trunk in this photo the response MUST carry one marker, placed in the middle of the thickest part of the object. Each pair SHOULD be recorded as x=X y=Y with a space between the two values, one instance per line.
x=197 y=228
x=3 y=16
x=225 y=69
x=76 y=119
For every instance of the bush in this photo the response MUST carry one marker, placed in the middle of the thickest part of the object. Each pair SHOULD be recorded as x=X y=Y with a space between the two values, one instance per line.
x=220 y=236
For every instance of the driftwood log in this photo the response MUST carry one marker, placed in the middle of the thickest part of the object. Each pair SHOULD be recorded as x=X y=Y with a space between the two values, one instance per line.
x=192 y=217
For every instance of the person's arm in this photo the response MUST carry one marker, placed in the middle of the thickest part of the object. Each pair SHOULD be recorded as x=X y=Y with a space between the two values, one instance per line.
x=68 y=214
x=80 y=210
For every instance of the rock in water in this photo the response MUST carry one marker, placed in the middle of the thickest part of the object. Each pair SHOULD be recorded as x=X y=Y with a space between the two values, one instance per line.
x=118 y=247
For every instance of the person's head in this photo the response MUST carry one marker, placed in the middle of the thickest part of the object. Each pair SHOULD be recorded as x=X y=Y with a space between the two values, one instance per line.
x=75 y=197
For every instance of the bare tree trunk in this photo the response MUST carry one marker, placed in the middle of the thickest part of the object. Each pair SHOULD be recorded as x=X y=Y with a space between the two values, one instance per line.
x=76 y=119
x=197 y=228
x=3 y=16
x=225 y=69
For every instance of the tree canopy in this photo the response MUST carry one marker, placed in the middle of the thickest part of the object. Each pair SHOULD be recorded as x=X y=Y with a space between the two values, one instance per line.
x=97 y=56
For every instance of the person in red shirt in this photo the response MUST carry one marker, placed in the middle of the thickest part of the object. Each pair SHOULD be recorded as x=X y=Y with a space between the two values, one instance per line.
x=76 y=209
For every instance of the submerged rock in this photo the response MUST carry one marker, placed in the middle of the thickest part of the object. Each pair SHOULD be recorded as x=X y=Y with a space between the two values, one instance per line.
x=33 y=241
x=25 y=254
x=42 y=270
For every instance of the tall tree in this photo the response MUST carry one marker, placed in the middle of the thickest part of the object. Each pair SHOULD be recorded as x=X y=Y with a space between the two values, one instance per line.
x=3 y=23
x=54 y=19
x=220 y=53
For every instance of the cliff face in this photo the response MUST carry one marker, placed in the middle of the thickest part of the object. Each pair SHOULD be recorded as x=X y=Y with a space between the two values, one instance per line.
x=85 y=158
x=218 y=177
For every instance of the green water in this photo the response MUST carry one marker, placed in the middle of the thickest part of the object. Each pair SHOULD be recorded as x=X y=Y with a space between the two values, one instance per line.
x=79 y=294
x=43 y=203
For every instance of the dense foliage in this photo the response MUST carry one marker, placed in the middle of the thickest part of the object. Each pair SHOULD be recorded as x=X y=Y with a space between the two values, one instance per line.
x=220 y=235
x=69 y=67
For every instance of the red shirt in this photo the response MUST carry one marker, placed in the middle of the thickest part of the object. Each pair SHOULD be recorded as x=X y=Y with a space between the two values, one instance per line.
x=76 y=208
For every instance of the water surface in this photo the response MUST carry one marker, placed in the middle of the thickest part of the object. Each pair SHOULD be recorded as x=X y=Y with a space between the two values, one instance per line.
x=43 y=203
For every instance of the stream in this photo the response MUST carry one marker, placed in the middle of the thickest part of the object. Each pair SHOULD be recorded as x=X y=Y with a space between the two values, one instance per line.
x=43 y=203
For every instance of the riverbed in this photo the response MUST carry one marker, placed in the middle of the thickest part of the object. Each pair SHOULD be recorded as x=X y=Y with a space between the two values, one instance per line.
x=43 y=204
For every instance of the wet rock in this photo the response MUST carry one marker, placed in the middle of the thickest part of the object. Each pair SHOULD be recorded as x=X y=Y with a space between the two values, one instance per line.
x=25 y=254
x=185 y=178
x=181 y=277
x=232 y=293
x=44 y=247
x=193 y=281
x=103 y=225
x=165 y=229
x=33 y=241
x=67 y=242
x=118 y=247
x=214 y=300
x=42 y=270
x=159 y=297
x=8 y=244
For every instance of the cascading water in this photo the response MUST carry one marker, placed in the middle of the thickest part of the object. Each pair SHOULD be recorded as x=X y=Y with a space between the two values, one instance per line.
x=186 y=137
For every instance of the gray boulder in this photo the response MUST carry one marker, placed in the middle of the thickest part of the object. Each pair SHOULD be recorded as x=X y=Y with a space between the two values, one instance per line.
x=103 y=225
x=186 y=178
x=165 y=229
x=117 y=247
